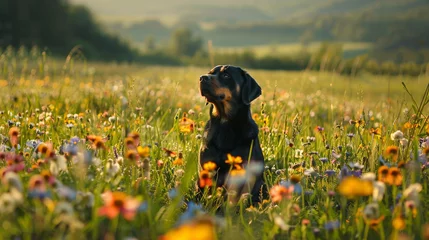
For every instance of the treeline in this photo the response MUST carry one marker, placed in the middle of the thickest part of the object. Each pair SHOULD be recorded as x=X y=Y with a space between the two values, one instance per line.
x=57 y=27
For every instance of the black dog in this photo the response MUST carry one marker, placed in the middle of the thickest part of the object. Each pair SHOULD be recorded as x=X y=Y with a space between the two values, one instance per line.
x=231 y=129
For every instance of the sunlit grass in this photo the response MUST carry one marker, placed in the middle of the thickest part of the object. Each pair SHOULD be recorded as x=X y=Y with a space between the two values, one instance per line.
x=101 y=151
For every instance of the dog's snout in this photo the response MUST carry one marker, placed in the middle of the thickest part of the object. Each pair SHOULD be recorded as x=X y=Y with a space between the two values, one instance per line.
x=204 y=78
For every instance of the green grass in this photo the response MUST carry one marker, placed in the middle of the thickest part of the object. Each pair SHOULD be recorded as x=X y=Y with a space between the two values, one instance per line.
x=40 y=97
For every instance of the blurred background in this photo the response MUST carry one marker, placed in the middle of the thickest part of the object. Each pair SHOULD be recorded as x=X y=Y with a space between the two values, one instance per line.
x=346 y=36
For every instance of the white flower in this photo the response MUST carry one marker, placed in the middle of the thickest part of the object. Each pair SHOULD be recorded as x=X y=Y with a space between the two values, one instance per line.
x=378 y=191
x=7 y=203
x=412 y=192
x=112 y=167
x=12 y=180
x=299 y=153
x=369 y=176
x=403 y=142
x=58 y=164
x=398 y=135
x=281 y=223
x=371 y=211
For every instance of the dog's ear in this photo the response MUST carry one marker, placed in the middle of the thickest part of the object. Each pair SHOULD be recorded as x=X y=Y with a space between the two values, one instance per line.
x=250 y=90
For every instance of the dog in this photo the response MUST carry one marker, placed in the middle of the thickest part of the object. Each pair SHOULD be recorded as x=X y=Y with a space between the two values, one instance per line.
x=231 y=128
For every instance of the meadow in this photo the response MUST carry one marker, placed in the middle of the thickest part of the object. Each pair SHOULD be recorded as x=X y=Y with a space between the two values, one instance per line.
x=110 y=151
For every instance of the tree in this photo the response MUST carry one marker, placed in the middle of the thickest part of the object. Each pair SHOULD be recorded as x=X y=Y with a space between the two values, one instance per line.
x=184 y=43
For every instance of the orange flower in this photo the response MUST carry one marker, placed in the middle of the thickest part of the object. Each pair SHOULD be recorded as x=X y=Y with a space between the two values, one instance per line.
x=179 y=160
x=382 y=173
x=132 y=155
x=392 y=152
x=97 y=141
x=374 y=223
x=13 y=136
x=205 y=179
x=200 y=229
x=37 y=182
x=136 y=138
x=116 y=203
x=238 y=171
x=46 y=149
x=209 y=166
x=129 y=143
x=279 y=192
x=394 y=176
x=233 y=160
x=375 y=131
x=186 y=125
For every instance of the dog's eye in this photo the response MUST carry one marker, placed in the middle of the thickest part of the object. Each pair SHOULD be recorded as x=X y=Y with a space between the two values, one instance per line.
x=226 y=76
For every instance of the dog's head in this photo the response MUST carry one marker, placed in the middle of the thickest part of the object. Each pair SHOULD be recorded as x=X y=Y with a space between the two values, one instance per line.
x=228 y=88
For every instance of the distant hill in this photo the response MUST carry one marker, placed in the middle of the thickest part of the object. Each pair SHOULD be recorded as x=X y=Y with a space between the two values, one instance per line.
x=243 y=10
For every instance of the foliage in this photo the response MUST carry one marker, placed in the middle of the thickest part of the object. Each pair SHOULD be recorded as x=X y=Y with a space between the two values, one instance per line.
x=58 y=27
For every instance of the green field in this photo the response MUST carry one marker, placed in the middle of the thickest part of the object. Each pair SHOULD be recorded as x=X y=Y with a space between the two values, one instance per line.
x=70 y=171
x=349 y=48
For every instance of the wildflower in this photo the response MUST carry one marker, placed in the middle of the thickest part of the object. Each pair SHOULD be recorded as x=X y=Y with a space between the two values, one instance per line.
x=403 y=142
x=186 y=125
x=281 y=223
x=412 y=192
x=398 y=135
x=237 y=171
x=305 y=222
x=112 y=167
x=394 y=176
x=129 y=143
x=374 y=223
x=352 y=187
x=169 y=153
x=330 y=173
x=382 y=173
x=324 y=159
x=197 y=229
x=178 y=160
x=13 y=136
x=205 y=179
x=209 y=166
x=143 y=151
x=392 y=152
x=368 y=176
x=97 y=141
x=332 y=225
x=192 y=211
x=8 y=203
x=299 y=153
x=398 y=223
x=233 y=160
x=411 y=207
x=279 y=192
x=135 y=136
x=12 y=180
x=375 y=131
x=132 y=155
x=371 y=211
x=379 y=190
x=116 y=203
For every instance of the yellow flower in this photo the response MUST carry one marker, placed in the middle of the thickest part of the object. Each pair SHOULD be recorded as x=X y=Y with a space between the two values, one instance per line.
x=398 y=223
x=195 y=230
x=352 y=187
x=179 y=160
x=209 y=166
x=186 y=125
x=233 y=160
x=143 y=151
